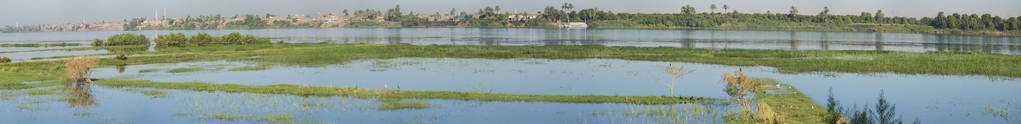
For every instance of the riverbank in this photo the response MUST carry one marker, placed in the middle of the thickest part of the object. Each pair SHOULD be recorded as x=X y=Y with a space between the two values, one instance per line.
x=812 y=27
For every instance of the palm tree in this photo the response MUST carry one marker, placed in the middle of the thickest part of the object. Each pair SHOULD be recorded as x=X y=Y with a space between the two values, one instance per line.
x=568 y=7
x=712 y=8
x=725 y=8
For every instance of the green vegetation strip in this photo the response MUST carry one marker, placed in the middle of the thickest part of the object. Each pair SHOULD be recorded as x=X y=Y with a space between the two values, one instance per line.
x=41 y=45
x=785 y=105
x=182 y=70
x=365 y=93
x=783 y=60
x=403 y=105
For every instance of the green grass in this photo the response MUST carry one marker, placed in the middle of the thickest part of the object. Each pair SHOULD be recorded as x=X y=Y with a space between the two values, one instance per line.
x=228 y=116
x=11 y=80
x=149 y=92
x=43 y=91
x=403 y=105
x=789 y=103
x=400 y=94
x=252 y=68
x=149 y=70
x=182 y=70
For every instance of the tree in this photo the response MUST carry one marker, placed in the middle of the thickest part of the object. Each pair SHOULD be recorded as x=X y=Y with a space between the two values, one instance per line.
x=567 y=7
x=725 y=8
x=794 y=11
x=832 y=106
x=712 y=8
x=823 y=16
x=884 y=111
x=346 y=14
x=453 y=11
x=393 y=14
x=879 y=17
x=688 y=10
x=675 y=72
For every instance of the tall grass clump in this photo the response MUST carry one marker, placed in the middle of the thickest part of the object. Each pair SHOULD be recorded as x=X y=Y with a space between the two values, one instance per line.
x=78 y=69
x=5 y=60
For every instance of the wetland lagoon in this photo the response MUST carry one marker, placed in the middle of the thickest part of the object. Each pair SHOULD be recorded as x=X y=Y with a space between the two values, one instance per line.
x=476 y=75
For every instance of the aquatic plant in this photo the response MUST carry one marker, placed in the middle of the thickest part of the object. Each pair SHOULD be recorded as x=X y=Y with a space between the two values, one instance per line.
x=403 y=105
x=252 y=68
x=401 y=94
x=78 y=69
x=182 y=70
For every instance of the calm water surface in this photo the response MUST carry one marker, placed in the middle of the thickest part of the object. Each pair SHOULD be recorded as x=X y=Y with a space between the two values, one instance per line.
x=673 y=38
x=931 y=98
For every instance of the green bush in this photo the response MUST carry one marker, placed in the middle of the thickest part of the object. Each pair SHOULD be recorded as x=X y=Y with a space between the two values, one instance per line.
x=126 y=39
x=97 y=42
x=5 y=60
x=203 y=39
x=171 y=40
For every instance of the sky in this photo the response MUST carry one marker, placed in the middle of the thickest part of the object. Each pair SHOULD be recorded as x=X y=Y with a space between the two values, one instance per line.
x=27 y=12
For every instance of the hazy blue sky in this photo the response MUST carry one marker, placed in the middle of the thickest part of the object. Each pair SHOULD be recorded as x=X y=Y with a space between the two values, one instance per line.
x=72 y=11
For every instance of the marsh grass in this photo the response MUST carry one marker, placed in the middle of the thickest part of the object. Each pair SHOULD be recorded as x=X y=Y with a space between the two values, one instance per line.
x=148 y=92
x=46 y=91
x=149 y=70
x=776 y=103
x=401 y=94
x=182 y=70
x=252 y=68
x=403 y=105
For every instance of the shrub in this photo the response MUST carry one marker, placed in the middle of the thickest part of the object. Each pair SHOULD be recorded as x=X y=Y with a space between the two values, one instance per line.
x=121 y=56
x=201 y=39
x=171 y=40
x=77 y=69
x=97 y=42
x=5 y=60
x=126 y=39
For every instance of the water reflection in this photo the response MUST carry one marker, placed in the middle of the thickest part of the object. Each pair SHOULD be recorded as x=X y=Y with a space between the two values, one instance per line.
x=711 y=39
x=79 y=95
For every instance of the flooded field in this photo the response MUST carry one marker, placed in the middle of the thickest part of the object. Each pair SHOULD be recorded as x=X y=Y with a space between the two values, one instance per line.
x=513 y=76
x=957 y=99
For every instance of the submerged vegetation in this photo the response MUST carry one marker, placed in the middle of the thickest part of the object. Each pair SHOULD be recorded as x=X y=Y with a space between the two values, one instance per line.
x=403 y=105
x=181 y=70
x=401 y=94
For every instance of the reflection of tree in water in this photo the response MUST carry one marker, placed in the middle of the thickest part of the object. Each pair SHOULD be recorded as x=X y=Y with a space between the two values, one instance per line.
x=80 y=95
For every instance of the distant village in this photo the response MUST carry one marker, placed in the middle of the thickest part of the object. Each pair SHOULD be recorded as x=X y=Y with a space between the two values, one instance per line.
x=362 y=18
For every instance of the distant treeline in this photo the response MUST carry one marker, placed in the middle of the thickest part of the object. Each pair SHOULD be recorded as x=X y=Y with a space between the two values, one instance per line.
x=550 y=16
